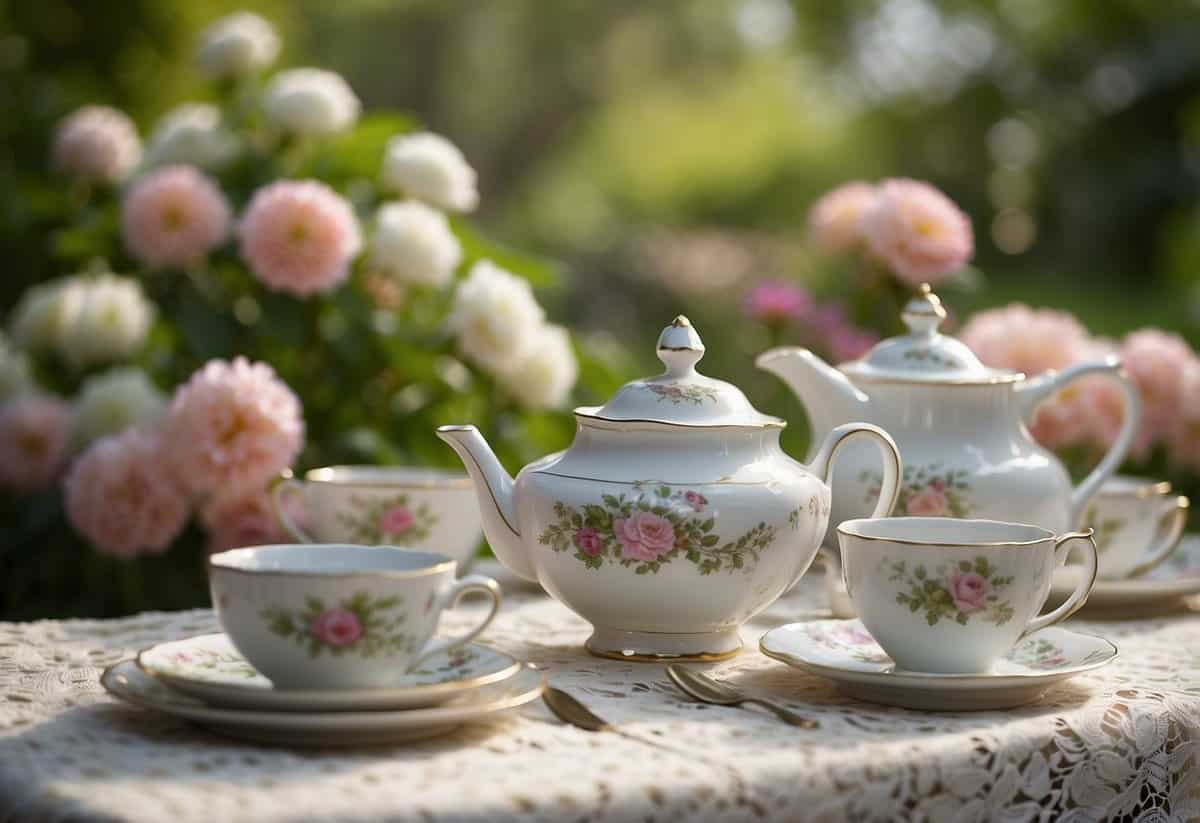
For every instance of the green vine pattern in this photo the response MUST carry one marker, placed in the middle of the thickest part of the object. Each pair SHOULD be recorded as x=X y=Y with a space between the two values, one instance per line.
x=953 y=591
x=650 y=528
x=375 y=520
x=925 y=491
x=1037 y=653
x=358 y=625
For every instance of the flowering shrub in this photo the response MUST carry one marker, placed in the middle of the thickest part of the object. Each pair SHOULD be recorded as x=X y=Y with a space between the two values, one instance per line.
x=302 y=271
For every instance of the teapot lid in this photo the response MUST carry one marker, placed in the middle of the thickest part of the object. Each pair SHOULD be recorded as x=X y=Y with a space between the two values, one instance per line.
x=680 y=395
x=925 y=355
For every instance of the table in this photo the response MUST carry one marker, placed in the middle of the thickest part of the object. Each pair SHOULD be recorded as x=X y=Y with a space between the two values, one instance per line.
x=1121 y=741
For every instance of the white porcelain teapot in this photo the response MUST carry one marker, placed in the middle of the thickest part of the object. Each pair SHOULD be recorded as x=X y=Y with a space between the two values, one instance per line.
x=673 y=517
x=960 y=426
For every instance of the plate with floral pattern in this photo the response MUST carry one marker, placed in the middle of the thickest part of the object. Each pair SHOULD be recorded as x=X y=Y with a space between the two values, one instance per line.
x=210 y=668
x=844 y=652
x=128 y=682
x=1160 y=589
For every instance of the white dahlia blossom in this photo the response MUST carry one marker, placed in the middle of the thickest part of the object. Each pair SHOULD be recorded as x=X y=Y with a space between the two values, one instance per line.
x=429 y=167
x=237 y=44
x=311 y=102
x=111 y=323
x=96 y=144
x=544 y=377
x=192 y=134
x=495 y=317
x=45 y=312
x=114 y=401
x=414 y=244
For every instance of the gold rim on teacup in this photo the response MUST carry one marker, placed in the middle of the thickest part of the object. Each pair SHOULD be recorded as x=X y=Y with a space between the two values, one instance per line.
x=223 y=561
x=1140 y=488
x=848 y=528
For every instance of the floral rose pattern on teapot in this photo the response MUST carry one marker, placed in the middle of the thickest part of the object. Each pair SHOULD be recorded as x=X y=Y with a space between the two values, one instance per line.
x=358 y=625
x=372 y=521
x=650 y=528
x=955 y=592
x=926 y=491
x=682 y=392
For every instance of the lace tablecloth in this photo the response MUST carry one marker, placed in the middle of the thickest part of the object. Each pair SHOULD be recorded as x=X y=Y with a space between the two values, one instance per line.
x=1119 y=743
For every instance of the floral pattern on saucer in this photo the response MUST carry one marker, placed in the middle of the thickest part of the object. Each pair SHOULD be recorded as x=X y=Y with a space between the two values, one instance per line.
x=391 y=519
x=650 y=528
x=357 y=625
x=957 y=592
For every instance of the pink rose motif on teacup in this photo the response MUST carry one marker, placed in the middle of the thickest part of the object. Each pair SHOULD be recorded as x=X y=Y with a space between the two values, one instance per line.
x=969 y=591
x=396 y=520
x=589 y=541
x=696 y=500
x=644 y=535
x=928 y=503
x=337 y=627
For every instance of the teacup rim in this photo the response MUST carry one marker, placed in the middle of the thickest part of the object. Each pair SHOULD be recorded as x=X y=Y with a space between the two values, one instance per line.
x=1046 y=534
x=1127 y=485
x=222 y=561
x=425 y=477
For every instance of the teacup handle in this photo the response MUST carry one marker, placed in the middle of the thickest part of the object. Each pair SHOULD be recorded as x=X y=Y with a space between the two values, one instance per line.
x=889 y=456
x=1091 y=558
x=1177 y=511
x=290 y=526
x=447 y=598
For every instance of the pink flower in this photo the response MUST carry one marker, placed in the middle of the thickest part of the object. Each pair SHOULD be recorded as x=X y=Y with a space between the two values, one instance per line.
x=696 y=500
x=969 y=591
x=232 y=427
x=918 y=232
x=96 y=143
x=853 y=636
x=835 y=220
x=35 y=432
x=1156 y=362
x=174 y=217
x=396 y=520
x=299 y=237
x=644 y=535
x=588 y=541
x=928 y=502
x=336 y=627
x=1022 y=339
x=245 y=519
x=775 y=302
x=121 y=497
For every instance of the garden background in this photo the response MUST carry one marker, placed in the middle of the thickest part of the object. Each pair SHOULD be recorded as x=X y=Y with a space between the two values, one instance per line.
x=637 y=160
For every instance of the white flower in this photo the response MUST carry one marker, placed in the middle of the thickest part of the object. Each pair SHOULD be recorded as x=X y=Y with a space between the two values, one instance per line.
x=429 y=167
x=545 y=376
x=114 y=401
x=45 y=311
x=237 y=44
x=15 y=379
x=495 y=317
x=194 y=135
x=96 y=143
x=111 y=323
x=311 y=101
x=414 y=244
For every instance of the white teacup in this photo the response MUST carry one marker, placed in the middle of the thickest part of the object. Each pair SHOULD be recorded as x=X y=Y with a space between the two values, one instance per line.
x=952 y=596
x=427 y=509
x=1137 y=524
x=327 y=616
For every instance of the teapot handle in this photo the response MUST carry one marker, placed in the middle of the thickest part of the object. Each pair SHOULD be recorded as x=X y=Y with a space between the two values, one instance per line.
x=1037 y=389
x=889 y=488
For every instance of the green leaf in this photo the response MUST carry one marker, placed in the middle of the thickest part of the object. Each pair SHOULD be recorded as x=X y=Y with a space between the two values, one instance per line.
x=538 y=271
x=664 y=491
x=710 y=540
x=919 y=573
x=359 y=152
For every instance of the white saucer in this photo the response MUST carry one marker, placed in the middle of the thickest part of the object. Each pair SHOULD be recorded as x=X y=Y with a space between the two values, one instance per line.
x=126 y=681
x=210 y=668
x=843 y=651
x=1160 y=589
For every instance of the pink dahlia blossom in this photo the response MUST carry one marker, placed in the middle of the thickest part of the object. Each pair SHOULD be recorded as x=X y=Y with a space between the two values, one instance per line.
x=969 y=591
x=174 y=217
x=1156 y=361
x=835 y=220
x=245 y=519
x=337 y=627
x=232 y=427
x=96 y=144
x=121 y=497
x=1023 y=339
x=928 y=502
x=299 y=237
x=644 y=535
x=35 y=433
x=918 y=232
x=776 y=302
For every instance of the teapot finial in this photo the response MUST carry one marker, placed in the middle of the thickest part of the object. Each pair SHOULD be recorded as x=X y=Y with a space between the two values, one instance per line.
x=680 y=347
x=924 y=313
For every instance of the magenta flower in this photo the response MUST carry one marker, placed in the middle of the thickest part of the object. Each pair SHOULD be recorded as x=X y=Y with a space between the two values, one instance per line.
x=776 y=302
x=969 y=591
x=644 y=535
x=396 y=519
x=588 y=541
x=696 y=500
x=337 y=627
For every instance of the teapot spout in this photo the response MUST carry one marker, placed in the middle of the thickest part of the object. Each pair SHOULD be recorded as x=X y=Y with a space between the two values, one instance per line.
x=495 y=490
x=828 y=396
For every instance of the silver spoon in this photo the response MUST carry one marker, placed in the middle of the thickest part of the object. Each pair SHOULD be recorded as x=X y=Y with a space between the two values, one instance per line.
x=705 y=689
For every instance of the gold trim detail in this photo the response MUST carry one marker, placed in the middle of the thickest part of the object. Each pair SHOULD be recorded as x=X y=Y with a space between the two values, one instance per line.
x=1142 y=491
x=767 y=423
x=961 y=544
x=211 y=563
